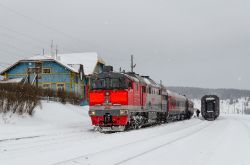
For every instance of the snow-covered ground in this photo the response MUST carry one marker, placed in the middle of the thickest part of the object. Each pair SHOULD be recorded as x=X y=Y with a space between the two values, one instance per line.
x=62 y=134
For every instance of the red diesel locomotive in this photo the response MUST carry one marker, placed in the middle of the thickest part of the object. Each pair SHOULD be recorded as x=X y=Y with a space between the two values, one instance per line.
x=120 y=101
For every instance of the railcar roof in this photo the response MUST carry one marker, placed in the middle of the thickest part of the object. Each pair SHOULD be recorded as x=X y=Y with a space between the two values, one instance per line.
x=132 y=77
x=151 y=82
x=210 y=96
x=171 y=93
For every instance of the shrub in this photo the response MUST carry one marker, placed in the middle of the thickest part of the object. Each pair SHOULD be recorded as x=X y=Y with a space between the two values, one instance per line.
x=18 y=98
x=23 y=98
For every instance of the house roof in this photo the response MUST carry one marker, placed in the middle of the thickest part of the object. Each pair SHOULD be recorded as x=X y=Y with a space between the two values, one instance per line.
x=88 y=60
x=40 y=58
x=70 y=61
x=49 y=58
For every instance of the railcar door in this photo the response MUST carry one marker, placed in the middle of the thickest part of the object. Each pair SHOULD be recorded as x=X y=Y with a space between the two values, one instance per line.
x=143 y=91
x=210 y=107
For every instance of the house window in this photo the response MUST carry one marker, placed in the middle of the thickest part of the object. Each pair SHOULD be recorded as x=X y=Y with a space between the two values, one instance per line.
x=60 y=86
x=46 y=70
x=46 y=86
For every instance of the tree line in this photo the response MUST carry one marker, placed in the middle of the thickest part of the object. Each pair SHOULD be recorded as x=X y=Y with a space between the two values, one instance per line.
x=224 y=94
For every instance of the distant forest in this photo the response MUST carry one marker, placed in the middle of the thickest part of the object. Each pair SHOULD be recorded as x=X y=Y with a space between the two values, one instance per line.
x=197 y=93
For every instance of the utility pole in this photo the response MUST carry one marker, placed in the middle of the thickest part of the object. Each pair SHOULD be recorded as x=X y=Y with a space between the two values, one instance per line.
x=56 y=52
x=132 y=63
x=43 y=52
x=28 y=78
x=51 y=49
x=161 y=89
x=36 y=77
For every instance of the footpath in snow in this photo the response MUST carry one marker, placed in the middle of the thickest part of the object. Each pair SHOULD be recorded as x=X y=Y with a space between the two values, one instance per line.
x=62 y=134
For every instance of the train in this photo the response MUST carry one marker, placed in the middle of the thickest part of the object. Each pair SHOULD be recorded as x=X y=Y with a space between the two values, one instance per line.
x=119 y=101
x=210 y=107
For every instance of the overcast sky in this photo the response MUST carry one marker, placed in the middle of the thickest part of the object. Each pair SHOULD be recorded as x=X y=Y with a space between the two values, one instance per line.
x=197 y=43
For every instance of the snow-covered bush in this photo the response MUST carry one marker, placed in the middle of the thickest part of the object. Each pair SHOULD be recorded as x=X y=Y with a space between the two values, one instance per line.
x=23 y=98
x=18 y=98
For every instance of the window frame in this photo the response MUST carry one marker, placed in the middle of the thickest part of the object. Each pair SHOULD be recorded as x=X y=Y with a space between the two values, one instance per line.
x=49 y=70
x=46 y=84
x=64 y=86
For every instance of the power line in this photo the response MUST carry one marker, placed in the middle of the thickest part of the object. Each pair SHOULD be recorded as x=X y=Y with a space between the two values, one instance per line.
x=39 y=23
x=53 y=29
x=14 y=47
x=3 y=63
x=5 y=52
x=16 y=38
x=23 y=34
x=27 y=36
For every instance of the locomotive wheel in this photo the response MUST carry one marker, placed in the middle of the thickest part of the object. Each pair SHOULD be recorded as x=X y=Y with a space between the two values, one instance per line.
x=178 y=117
x=136 y=122
x=182 y=117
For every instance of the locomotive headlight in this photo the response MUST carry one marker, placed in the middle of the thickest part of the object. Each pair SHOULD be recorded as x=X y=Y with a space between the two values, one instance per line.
x=123 y=112
x=91 y=113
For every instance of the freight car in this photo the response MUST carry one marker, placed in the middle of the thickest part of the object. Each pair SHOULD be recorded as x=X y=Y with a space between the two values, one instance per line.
x=120 y=101
x=210 y=107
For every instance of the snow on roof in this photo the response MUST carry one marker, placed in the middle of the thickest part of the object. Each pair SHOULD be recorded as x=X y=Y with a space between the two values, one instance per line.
x=40 y=57
x=88 y=60
x=147 y=81
x=71 y=61
x=14 y=80
x=210 y=98
x=132 y=78
x=48 y=57
x=171 y=93
x=151 y=82
x=75 y=66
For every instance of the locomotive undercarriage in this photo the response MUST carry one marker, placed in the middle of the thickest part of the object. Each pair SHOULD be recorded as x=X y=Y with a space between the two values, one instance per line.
x=178 y=117
x=137 y=120
x=210 y=116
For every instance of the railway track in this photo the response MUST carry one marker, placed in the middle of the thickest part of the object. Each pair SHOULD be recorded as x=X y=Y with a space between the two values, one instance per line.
x=85 y=158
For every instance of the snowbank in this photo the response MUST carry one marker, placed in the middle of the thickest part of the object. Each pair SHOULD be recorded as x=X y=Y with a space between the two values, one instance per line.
x=62 y=134
x=50 y=117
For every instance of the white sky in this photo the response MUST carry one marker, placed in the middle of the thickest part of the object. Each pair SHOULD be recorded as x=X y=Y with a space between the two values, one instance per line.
x=184 y=43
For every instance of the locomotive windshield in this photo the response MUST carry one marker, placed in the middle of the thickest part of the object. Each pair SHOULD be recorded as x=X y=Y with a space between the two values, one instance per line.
x=108 y=83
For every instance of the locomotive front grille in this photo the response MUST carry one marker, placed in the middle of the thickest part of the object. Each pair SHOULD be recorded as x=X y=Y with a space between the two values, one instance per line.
x=111 y=112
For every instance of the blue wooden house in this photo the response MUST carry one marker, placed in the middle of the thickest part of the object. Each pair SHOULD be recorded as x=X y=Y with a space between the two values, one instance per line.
x=68 y=72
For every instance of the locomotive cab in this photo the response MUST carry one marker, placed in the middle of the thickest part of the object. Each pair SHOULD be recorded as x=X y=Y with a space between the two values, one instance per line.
x=108 y=99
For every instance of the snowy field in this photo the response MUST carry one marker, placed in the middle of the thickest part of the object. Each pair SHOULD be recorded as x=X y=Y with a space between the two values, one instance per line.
x=62 y=134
